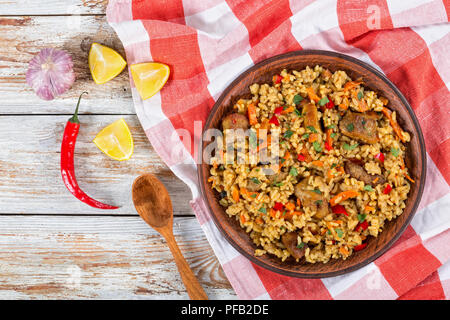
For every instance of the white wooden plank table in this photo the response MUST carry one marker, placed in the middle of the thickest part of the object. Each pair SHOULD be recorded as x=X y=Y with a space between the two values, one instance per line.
x=51 y=245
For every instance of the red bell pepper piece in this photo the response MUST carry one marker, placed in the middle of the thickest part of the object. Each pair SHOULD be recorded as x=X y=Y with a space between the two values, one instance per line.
x=274 y=120
x=278 y=110
x=277 y=79
x=278 y=206
x=328 y=146
x=363 y=225
x=301 y=157
x=380 y=157
x=388 y=189
x=339 y=209
x=360 y=247
x=330 y=104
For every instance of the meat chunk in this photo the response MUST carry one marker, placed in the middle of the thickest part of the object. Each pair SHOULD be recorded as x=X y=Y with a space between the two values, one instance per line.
x=312 y=199
x=290 y=242
x=360 y=126
x=359 y=173
x=235 y=121
x=311 y=117
x=277 y=177
x=253 y=185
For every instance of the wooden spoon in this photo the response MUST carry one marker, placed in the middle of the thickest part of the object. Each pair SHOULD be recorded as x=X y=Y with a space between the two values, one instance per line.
x=152 y=202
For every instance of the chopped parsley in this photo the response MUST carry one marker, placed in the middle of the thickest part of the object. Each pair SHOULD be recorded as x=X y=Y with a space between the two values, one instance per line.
x=360 y=95
x=277 y=184
x=368 y=188
x=350 y=147
x=331 y=126
x=293 y=172
x=395 y=152
x=300 y=245
x=317 y=191
x=288 y=134
x=263 y=210
x=333 y=134
x=305 y=136
x=297 y=112
x=252 y=139
x=339 y=232
x=297 y=99
x=318 y=202
x=317 y=146
x=221 y=167
x=253 y=195
x=323 y=101
x=312 y=129
x=255 y=180
x=361 y=217
x=333 y=165
x=350 y=127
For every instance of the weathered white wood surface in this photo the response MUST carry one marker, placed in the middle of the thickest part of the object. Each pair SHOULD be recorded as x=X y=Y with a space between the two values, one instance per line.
x=51 y=245
x=22 y=37
x=30 y=167
x=101 y=258
x=52 y=7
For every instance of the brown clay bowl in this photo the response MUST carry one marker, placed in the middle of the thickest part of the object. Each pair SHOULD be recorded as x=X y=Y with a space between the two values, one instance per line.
x=415 y=161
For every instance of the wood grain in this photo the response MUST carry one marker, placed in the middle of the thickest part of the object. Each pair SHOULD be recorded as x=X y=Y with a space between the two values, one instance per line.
x=52 y=7
x=31 y=181
x=23 y=37
x=101 y=258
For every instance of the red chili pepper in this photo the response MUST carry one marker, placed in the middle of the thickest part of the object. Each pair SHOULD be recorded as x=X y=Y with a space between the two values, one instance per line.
x=277 y=78
x=278 y=110
x=327 y=146
x=388 y=189
x=360 y=247
x=330 y=104
x=278 y=206
x=339 y=209
x=380 y=157
x=301 y=157
x=67 y=164
x=363 y=225
x=274 y=120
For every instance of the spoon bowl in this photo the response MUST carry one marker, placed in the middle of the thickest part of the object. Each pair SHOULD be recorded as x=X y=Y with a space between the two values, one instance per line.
x=152 y=202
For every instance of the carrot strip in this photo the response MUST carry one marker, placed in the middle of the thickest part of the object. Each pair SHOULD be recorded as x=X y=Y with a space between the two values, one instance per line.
x=351 y=84
x=317 y=163
x=344 y=251
x=251 y=109
x=409 y=178
x=243 y=220
x=328 y=139
x=288 y=110
x=343 y=196
x=394 y=124
x=299 y=203
x=312 y=95
x=305 y=153
x=259 y=220
x=290 y=206
x=235 y=194
x=369 y=209
x=312 y=137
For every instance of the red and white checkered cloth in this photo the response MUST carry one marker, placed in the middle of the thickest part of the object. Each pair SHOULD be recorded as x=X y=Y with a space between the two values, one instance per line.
x=208 y=43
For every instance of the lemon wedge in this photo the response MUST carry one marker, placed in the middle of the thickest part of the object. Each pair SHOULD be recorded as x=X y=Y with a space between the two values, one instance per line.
x=116 y=141
x=149 y=77
x=104 y=63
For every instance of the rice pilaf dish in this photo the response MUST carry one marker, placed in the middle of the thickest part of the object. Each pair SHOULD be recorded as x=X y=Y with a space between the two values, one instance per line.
x=336 y=171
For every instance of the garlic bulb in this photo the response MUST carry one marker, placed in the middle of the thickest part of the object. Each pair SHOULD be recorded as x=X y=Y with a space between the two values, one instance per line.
x=50 y=73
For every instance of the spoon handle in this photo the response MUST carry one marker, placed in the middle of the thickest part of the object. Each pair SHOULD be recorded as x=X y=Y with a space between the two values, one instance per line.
x=190 y=281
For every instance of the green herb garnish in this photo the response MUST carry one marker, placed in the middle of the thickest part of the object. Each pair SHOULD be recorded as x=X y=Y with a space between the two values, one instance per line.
x=305 y=136
x=297 y=99
x=368 y=188
x=350 y=147
x=288 y=134
x=350 y=127
x=360 y=95
x=317 y=146
x=395 y=152
x=361 y=217
x=333 y=134
x=300 y=245
x=339 y=232
x=263 y=210
x=333 y=165
x=331 y=126
x=253 y=195
x=317 y=191
x=323 y=101
x=318 y=202
x=297 y=112
x=277 y=184
x=293 y=172
x=312 y=129
x=255 y=180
